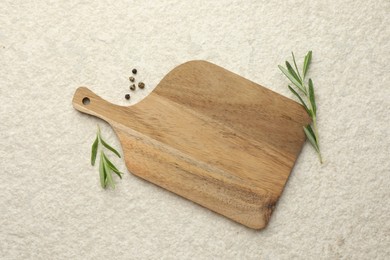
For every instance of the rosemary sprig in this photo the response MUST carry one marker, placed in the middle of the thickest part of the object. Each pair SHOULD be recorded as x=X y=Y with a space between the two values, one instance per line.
x=106 y=167
x=307 y=90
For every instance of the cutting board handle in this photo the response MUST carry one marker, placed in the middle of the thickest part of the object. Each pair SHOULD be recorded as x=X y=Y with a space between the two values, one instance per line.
x=84 y=100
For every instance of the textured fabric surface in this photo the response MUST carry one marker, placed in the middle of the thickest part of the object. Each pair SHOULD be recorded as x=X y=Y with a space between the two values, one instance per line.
x=52 y=206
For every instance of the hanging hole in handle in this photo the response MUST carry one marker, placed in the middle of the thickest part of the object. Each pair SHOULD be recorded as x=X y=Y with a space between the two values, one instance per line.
x=86 y=101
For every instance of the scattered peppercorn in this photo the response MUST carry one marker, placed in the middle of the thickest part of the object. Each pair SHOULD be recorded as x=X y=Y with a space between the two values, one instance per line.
x=134 y=71
x=127 y=96
x=132 y=87
x=141 y=85
x=131 y=79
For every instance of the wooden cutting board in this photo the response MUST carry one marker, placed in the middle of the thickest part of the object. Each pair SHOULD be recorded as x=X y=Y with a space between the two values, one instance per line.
x=210 y=136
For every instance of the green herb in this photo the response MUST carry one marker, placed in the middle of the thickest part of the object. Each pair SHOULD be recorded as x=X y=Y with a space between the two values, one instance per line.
x=106 y=167
x=307 y=93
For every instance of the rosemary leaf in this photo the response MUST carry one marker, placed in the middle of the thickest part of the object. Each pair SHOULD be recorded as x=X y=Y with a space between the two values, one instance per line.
x=117 y=173
x=296 y=67
x=293 y=73
x=292 y=79
x=299 y=97
x=94 y=150
x=306 y=63
x=311 y=139
x=109 y=147
x=102 y=171
x=312 y=97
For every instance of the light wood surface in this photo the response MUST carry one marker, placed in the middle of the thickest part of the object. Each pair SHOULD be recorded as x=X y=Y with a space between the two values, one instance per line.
x=210 y=136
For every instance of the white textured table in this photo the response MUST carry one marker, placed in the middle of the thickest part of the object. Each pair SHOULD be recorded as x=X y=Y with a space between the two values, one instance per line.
x=52 y=206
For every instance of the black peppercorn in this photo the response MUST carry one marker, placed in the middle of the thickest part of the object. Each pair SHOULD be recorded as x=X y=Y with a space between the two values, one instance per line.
x=134 y=71
x=131 y=79
x=127 y=96
x=132 y=87
x=141 y=85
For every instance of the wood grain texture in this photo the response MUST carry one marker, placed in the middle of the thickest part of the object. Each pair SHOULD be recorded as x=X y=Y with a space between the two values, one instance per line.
x=210 y=136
